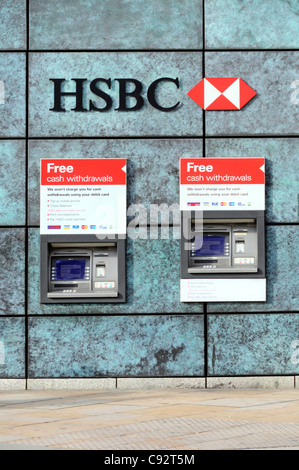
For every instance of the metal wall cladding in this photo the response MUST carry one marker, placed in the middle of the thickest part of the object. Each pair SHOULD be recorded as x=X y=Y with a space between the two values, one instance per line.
x=116 y=346
x=146 y=67
x=149 y=158
x=12 y=94
x=153 y=278
x=13 y=24
x=273 y=111
x=281 y=170
x=281 y=273
x=12 y=348
x=12 y=271
x=257 y=344
x=12 y=182
x=271 y=74
x=116 y=24
x=231 y=24
x=152 y=166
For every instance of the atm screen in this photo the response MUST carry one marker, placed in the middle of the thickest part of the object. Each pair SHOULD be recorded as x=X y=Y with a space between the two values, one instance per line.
x=70 y=269
x=208 y=246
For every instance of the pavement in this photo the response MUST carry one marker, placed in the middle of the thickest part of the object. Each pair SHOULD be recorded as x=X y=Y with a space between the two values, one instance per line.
x=149 y=420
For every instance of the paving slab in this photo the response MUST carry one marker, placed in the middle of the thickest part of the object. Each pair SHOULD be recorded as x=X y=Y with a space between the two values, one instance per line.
x=149 y=419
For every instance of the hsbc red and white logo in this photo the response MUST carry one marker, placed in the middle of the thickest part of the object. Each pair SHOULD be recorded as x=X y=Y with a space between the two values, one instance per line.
x=224 y=93
x=219 y=94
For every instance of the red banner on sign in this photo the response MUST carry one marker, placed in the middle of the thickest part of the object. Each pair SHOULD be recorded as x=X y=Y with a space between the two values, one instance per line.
x=222 y=171
x=89 y=171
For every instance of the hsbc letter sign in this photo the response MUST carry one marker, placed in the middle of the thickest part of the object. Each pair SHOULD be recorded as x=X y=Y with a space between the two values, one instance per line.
x=128 y=89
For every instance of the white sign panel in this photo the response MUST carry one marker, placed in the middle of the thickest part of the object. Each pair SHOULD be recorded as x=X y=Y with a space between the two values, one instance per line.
x=222 y=184
x=83 y=196
x=223 y=290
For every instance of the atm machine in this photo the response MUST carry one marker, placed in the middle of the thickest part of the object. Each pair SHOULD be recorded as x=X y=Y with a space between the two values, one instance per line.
x=82 y=269
x=230 y=245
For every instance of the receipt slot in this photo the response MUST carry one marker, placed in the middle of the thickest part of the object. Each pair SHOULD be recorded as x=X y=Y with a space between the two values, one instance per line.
x=222 y=230
x=83 y=231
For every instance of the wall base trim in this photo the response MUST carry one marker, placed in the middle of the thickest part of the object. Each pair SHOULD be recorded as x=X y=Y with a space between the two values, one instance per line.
x=251 y=383
x=71 y=384
x=154 y=383
x=12 y=384
x=157 y=383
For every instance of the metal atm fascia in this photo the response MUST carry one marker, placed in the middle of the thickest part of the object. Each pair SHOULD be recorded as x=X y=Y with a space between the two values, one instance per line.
x=213 y=267
x=98 y=255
